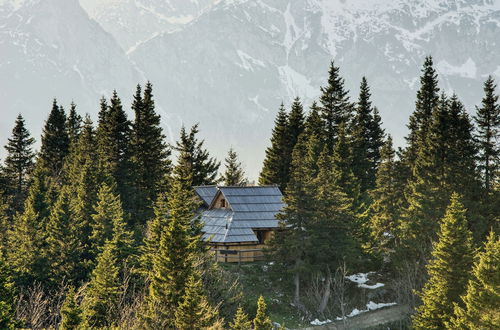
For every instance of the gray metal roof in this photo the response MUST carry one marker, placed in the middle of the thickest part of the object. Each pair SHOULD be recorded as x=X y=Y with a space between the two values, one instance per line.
x=206 y=193
x=249 y=208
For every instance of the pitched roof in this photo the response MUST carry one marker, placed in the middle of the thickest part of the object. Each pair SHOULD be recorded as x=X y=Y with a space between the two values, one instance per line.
x=206 y=193
x=248 y=208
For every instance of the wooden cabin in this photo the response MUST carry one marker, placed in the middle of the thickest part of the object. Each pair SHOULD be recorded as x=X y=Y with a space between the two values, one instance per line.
x=238 y=221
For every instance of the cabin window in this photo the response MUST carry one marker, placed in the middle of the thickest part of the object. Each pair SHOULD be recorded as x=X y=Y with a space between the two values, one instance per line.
x=260 y=236
x=223 y=203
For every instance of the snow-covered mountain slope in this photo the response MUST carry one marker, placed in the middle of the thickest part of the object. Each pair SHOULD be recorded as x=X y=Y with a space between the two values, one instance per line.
x=50 y=48
x=135 y=21
x=228 y=64
x=231 y=68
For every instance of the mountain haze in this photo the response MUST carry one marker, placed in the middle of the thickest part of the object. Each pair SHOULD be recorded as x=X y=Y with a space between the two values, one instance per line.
x=229 y=64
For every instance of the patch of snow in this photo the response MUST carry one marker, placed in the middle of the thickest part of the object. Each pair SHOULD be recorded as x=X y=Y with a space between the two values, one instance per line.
x=466 y=70
x=318 y=322
x=361 y=279
x=296 y=83
x=248 y=62
x=373 y=306
x=372 y=287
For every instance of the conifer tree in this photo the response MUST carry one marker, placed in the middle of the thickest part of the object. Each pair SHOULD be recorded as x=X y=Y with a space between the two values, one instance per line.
x=387 y=204
x=488 y=134
x=276 y=167
x=173 y=261
x=194 y=311
x=335 y=105
x=262 y=320
x=27 y=237
x=150 y=153
x=234 y=174
x=7 y=298
x=70 y=312
x=64 y=247
x=295 y=123
x=427 y=101
x=99 y=305
x=240 y=321
x=114 y=149
x=448 y=269
x=5 y=228
x=194 y=160
x=55 y=142
x=108 y=212
x=18 y=164
x=155 y=227
x=290 y=243
x=478 y=308
x=73 y=124
x=342 y=162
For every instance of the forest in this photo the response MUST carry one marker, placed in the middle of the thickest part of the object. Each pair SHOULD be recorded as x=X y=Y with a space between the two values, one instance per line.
x=99 y=227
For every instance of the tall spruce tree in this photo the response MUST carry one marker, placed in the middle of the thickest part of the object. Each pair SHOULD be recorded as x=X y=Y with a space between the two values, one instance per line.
x=276 y=166
x=478 y=308
x=195 y=160
x=64 y=245
x=367 y=138
x=427 y=100
x=27 y=236
x=295 y=123
x=150 y=153
x=448 y=269
x=342 y=161
x=100 y=301
x=18 y=164
x=335 y=105
x=55 y=142
x=114 y=149
x=74 y=125
x=234 y=174
x=488 y=134
x=262 y=320
x=173 y=261
x=386 y=207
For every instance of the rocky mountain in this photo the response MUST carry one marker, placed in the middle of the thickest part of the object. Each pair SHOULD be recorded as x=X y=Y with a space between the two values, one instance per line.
x=228 y=64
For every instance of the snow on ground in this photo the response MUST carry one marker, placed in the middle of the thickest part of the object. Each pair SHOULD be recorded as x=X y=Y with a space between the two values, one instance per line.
x=362 y=278
x=318 y=322
x=371 y=306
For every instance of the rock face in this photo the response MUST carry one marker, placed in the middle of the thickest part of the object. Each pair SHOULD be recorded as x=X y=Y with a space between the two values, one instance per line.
x=228 y=64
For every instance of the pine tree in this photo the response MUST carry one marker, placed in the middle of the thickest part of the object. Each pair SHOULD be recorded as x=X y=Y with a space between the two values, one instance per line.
x=240 y=321
x=173 y=261
x=114 y=149
x=488 y=134
x=194 y=160
x=27 y=237
x=64 y=247
x=194 y=311
x=481 y=302
x=261 y=320
x=55 y=142
x=276 y=167
x=342 y=162
x=7 y=298
x=150 y=153
x=387 y=204
x=5 y=228
x=99 y=305
x=70 y=312
x=427 y=101
x=18 y=164
x=335 y=105
x=74 y=125
x=448 y=269
x=108 y=212
x=295 y=123
x=234 y=174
